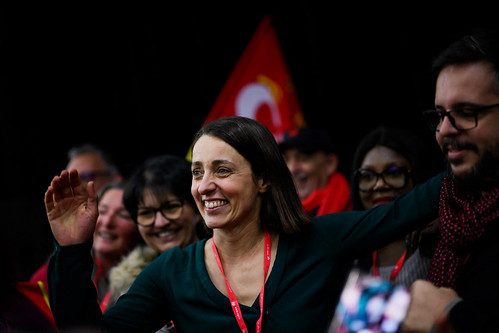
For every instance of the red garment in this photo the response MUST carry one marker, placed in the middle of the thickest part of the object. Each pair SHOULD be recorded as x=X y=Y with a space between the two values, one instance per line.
x=41 y=276
x=36 y=292
x=333 y=198
x=463 y=219
x=25 y=308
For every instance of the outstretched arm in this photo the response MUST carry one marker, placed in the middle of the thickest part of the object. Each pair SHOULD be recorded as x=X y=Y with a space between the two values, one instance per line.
x=72 y=213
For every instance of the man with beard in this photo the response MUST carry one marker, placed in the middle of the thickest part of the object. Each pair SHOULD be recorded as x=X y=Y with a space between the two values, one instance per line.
x=461 y=293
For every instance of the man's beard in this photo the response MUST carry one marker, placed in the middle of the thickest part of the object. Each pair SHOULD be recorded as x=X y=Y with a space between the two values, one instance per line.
x=484 y=173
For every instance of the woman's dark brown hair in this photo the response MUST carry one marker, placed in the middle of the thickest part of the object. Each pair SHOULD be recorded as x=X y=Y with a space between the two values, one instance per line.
x=281 y=209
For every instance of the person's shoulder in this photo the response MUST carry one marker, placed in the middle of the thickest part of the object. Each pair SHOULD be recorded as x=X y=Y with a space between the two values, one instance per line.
x=122 y=275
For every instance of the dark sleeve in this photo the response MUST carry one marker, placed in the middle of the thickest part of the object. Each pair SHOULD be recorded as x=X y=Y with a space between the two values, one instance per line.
x=478 y=287
x=73 y=298
x=355 y=232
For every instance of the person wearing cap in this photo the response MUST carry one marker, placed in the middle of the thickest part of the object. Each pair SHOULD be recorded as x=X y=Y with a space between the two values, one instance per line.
x=313 y=163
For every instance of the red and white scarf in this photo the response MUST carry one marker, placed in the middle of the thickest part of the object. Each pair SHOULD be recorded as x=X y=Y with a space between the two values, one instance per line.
x=463 y=218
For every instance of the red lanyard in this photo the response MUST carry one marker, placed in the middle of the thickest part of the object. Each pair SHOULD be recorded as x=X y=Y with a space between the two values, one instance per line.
x=105 y=300
x=232 y=296
x=396 y=269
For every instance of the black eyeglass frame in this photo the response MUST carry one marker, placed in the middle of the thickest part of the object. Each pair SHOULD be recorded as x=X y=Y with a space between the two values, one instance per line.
x=474 y=111
x=160 y=209
x=405 y=170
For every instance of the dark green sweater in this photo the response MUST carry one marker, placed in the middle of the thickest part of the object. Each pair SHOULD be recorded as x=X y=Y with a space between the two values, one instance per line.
x=300 y=293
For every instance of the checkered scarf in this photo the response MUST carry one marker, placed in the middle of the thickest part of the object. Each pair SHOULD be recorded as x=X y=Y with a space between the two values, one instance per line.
x=463 y=218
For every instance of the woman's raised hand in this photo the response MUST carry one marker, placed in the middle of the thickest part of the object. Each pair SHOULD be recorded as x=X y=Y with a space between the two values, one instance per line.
x=71 y=211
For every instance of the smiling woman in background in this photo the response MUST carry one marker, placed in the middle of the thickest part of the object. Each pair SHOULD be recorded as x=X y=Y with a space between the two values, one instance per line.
x=387 y=163
x=158 y=197
x=115 y=235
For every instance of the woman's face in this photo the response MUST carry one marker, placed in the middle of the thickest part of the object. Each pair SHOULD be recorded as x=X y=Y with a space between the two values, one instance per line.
x=379 y=159
x=166 y=233
x=226 y=191
x=115 y=232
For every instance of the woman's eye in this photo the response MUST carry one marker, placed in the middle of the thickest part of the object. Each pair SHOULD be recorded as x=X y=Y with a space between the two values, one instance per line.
x=124 y=216
x=223 y=171
x=144 y=213
x=367 y=176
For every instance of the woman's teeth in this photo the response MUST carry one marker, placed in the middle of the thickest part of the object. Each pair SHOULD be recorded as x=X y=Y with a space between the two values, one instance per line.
x=165 y=234
x=214 y=204
x=107 y=235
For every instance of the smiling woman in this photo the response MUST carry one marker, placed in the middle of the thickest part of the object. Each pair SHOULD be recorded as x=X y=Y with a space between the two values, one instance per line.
x=267 y=268
x=159 y=201
x=248 y=142
x=115 y=233
x=223 y=185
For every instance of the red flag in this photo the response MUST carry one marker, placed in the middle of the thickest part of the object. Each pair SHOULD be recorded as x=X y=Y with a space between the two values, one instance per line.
x=260 y=86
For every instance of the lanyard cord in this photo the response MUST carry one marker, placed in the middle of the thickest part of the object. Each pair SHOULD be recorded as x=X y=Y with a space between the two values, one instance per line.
x=396 y=269
x=232 y=296
x=107 y=296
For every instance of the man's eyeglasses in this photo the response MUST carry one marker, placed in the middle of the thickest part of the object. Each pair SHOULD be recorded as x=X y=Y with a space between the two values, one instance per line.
x=462 y=119
x=395 y=176
x=92 y=175
x=170 y=210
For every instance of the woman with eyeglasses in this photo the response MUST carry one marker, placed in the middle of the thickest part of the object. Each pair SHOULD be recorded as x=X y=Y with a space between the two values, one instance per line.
x=387 y=163
x=158 y=198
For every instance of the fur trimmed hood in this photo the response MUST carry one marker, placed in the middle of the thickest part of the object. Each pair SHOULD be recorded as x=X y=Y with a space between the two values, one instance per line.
x=122 y=275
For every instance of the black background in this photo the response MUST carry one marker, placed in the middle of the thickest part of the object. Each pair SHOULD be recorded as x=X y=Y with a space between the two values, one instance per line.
x=138 y=81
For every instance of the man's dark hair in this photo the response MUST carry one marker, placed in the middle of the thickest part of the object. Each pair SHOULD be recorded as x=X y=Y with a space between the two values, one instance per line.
x=480 y=45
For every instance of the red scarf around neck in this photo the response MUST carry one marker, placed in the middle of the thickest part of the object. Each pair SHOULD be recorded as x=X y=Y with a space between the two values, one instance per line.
x=463 y=218
x=333 y=198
